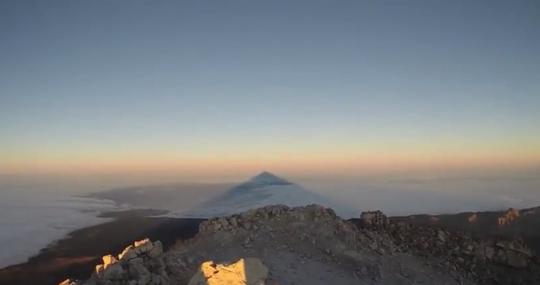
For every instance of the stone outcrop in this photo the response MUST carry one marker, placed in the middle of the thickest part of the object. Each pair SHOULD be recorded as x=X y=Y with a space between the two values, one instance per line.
x=246 y=271
x=374 y=220
x=511 y=253
x=303 y=245
x=138 y=264
x=508 y=217
x=487 y=261
x=472 y=219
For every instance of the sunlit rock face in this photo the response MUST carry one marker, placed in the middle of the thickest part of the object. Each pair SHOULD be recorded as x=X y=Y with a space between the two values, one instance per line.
x=140 y=263
x=250 y=271
x=472 y=219
x=508 y=217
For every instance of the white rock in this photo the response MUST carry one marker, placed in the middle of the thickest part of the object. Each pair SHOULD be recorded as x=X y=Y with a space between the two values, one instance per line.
x=249 y=271
x=143 y=246
x=127 y=253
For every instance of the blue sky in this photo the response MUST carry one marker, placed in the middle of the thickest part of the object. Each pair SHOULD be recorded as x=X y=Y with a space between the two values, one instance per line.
x=198 y=79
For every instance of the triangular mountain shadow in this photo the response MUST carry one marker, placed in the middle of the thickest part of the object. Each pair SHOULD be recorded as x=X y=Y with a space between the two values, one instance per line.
x=264 y=179
x=261 y=190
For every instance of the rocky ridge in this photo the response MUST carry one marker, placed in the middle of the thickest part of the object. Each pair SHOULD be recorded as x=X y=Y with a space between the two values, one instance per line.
x=486 y=261
x=311 y=245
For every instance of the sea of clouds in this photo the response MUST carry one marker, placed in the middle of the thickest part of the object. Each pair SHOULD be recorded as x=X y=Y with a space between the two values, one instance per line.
x=32 y=218
x=431 y=194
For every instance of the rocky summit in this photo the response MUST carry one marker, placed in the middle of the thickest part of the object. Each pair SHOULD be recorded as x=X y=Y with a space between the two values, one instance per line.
x=312 y=245
x=140 y=263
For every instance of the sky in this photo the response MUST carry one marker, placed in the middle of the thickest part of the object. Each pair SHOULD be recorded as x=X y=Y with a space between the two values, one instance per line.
x=230 y=87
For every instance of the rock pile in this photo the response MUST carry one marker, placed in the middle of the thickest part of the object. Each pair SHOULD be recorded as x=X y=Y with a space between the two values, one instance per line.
x=486 y=261
x=303 y=245
x=138 y=264
x=296 y=222
x=311 y=245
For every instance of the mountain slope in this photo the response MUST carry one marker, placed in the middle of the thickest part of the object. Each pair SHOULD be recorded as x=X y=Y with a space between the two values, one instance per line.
x=311 y=245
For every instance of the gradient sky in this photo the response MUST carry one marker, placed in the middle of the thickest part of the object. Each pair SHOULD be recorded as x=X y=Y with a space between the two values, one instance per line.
x=286 y=85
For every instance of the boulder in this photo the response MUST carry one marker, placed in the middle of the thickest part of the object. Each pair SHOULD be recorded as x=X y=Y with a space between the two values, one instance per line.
x=489 y=252
x=127 y=253
x=250 y=271
x=508 y=217
x=99 y=269
x=138 y=271
x=472 y=219
x=374 y=219
x=514 y=246
x=143 y=246
x=513 y=254
x=157 y=250
x=441 y=236
x=114 y=272
x=108 y=260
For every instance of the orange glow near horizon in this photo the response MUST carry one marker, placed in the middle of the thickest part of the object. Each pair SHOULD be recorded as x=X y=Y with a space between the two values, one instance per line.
x=333 y=156
x=299 y=162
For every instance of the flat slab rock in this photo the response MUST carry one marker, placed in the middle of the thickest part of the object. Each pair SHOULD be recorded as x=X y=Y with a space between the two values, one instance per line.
x=249 y=271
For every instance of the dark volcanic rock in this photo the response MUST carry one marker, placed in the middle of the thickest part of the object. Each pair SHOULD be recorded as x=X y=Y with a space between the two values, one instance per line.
x=374 y=220
x=312 y=245
x=485 y=260
x=509 y=224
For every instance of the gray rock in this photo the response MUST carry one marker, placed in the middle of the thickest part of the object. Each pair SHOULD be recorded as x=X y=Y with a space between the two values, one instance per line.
x=374 y=219
x=157 y=250
x=114 y=272
x=127 y=253
x=143 y=246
